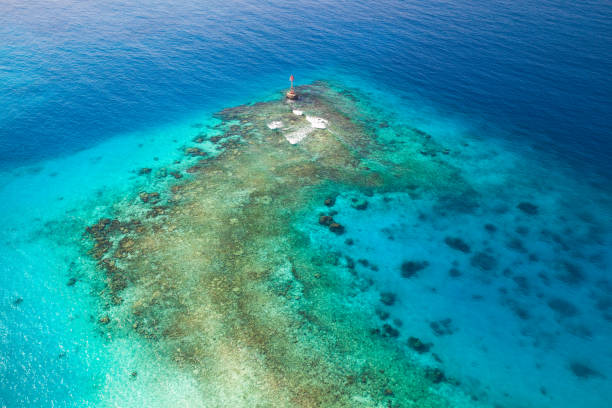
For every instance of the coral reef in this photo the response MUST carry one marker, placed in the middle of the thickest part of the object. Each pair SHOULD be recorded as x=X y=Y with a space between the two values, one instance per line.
x=223 y=280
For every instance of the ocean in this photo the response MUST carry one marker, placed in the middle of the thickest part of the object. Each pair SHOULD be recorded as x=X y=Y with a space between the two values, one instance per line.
x=481 y=248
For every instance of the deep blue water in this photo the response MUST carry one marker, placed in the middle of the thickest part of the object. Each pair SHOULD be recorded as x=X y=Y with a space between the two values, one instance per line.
x=74 y=73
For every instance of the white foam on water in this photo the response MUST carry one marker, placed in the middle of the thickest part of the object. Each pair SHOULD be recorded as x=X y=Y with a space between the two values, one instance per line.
x=298 y=112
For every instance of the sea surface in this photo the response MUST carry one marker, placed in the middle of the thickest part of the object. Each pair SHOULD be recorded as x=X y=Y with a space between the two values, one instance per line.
x=514 y=293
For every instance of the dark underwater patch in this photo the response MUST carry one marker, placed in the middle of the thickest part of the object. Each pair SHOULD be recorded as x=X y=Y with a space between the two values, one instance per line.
x=454 y=272
x=522 y=283
x=516 y=245
x=581 y=370
x=417 y=345
x=528 y=208
x=410 y=268
x=443 y=327
x=388 y=298
x=562 y=307
x=457 y=244
x=490 y=228
x=570 y=273
x=483 y=261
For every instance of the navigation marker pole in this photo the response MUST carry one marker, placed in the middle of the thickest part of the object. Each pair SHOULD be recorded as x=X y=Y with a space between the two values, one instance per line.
x=291 y=93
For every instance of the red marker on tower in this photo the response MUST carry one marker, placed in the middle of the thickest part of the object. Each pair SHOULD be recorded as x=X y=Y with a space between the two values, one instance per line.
x=291 y=93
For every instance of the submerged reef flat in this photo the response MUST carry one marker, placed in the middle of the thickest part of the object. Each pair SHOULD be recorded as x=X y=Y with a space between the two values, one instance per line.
x=215 y=273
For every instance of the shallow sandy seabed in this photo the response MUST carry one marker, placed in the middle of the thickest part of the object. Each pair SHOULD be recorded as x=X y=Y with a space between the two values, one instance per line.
x=215 y=274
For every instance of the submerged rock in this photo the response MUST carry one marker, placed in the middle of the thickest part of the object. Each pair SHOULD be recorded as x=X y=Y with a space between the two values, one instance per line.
x=520 y=311
x=117 y=282
x=563 y=307
x=516 y=245
x=97 y=230
x=115 y=226
x=528 y=208
x=454 y=272
x=359 y=204
x=417 y=345
x=582 y=370
x=126 y=243
x=410 y=268
x=442 y=327
x=156 y=211
x=149 y=197
x=195 y=151
x=457 y=243
x=389 y=331
x=388 y=298
x=483 y=261
x=330 y=201
x=102 y=246
x=336 y=228
x=326 y=220
x=604 y=303
x=350 y=262
x=522 y=230
x=382 y=314
x=522 y=283
x=435 y=375
x=570 y=273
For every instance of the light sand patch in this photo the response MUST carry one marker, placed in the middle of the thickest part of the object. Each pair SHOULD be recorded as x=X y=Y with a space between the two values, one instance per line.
x=298 y=135
x=277 y=124
x=317 y=123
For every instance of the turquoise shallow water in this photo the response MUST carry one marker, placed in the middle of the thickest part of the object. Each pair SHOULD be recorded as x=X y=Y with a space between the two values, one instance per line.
x=52 y=350
x=518 y=351
x=92 y=94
